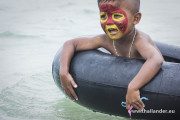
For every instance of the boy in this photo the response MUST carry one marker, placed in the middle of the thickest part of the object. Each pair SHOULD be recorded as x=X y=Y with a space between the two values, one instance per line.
x=118 y=19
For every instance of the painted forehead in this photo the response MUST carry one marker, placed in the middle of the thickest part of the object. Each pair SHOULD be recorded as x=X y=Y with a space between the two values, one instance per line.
x=108 y=8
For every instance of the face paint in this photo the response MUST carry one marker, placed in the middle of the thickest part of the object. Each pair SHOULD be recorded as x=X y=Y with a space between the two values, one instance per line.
x=113 y=20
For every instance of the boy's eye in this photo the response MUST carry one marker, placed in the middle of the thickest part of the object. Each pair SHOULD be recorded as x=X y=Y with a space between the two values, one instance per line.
x=118 y=17
x=103 y=16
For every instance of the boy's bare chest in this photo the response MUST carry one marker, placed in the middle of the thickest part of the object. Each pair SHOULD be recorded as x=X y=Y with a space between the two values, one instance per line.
x=124 y=51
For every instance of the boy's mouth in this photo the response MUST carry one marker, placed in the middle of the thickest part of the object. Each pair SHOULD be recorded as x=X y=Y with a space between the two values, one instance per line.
x=112 y=31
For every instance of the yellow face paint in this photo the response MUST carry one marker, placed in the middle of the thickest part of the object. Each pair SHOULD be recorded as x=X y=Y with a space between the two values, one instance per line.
x=113 y=21
x=103 y=17
x=116 y=36
x=118 y=17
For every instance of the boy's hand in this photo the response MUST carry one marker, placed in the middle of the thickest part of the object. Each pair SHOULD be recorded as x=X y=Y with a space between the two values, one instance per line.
x=68 y=83
x=133 y=98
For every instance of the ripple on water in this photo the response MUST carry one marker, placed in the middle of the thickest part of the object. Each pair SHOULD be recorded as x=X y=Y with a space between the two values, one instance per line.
x=30 y=99
x=8 y=34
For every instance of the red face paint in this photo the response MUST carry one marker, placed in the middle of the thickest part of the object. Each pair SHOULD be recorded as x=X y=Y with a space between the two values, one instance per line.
x=113 y=20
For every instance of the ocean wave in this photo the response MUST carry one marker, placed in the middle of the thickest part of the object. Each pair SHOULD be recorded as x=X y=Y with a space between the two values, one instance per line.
x=8 y=34
x=88 y=11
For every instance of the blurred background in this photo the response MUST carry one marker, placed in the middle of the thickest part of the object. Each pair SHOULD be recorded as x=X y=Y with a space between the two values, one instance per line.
x=32 y=31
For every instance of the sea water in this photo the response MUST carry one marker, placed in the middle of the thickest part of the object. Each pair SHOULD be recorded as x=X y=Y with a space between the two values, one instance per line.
x=32 y=31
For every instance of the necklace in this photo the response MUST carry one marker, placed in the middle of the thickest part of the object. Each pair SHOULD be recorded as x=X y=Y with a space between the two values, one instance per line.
x=130 y=46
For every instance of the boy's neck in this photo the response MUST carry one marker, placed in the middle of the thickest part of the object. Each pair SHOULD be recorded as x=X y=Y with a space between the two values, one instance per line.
x=127 y=39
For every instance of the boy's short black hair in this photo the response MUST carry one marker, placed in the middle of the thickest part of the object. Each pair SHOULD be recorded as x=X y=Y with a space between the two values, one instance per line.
x=105 y=1
x=133 y=5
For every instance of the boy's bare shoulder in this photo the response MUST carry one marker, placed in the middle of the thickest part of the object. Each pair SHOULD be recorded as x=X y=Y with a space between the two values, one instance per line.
x=143 y=37
x=98 y=39
x=144 y=45
x=87 y=43
x=102 y=39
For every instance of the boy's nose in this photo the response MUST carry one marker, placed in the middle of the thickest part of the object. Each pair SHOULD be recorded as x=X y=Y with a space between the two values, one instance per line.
x=110 y=21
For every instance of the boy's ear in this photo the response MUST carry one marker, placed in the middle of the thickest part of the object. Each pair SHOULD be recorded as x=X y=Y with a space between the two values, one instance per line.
x=137 y=18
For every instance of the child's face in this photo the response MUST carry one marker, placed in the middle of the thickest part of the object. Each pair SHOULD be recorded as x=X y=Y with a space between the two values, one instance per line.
x=114 y=20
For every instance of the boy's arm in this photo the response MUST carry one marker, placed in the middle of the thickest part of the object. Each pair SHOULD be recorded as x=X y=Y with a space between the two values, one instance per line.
x=68 y=50
x=153 y=63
